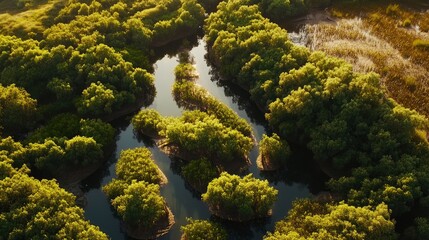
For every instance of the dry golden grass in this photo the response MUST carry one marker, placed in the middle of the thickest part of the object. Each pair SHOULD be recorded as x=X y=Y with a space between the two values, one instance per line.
x=355 y=40
x=27 y=22
x=398 y=24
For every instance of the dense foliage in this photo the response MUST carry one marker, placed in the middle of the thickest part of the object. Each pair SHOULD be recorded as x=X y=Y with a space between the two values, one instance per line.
x=196 y=133
x=137 y=164
x=199 y=173
x=65 y=143
x=202 y=230
x=18 y=111
x=70 y=74
x=69 y=125
x=39 y=209
x=135 y=192
x=191 y=96
x=93 y=59
x=376 y=148
x=213 y=130
x=240 y=199
x=205 y=135
x=149 y=122
x=117 y=23
x=313 y=220
x=140 y=204
x=282 y=9
x=274 y=149
x=88 y=55
x=54 y=156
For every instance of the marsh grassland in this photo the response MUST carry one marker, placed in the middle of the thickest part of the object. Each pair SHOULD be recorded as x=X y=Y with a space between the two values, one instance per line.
x=389 y=39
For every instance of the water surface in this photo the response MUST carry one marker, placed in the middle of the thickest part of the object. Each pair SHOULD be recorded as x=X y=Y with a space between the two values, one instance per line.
x=182 y=201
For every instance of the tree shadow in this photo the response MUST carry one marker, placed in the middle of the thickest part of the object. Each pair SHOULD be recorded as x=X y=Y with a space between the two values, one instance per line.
x=175 y=47
x=300 y=168
x=253 y=229
x=239 y=96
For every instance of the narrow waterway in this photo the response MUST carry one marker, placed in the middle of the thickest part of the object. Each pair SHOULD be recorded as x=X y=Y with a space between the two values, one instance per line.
x=181 y=200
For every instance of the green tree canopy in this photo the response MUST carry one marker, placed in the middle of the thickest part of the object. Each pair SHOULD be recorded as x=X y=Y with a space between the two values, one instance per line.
x=199 y=173
x=141 y=204
x=202 y=230
x=242 y=199
x=274 y=148
x=135 y=192
x=313 y=220
x=54 y=155
x=34 y=209
x=82 y=151
x=68 y=125
x=18 y=111
x=191 y=96
x=374 y=148
x=134 y=165
x=195 y=133
x=205 y=135
x=96 y=100
x=137 y=164
x=148 y=122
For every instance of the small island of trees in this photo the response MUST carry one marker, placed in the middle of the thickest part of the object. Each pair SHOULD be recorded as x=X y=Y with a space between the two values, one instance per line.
x=195 y=134
x=239 y=199
x=273 y=153
x=202 y=230
x=190 y=96
x=208 y=135
x=135 y=195
x=199 y=173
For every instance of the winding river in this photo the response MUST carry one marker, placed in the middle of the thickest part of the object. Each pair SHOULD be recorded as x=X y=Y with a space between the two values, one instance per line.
x=182 y=201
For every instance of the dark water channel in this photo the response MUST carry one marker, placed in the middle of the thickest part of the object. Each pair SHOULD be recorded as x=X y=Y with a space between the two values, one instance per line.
x=181 y=200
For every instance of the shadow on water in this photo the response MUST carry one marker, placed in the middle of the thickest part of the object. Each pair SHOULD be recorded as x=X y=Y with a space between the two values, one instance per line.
x=239 y=97
x=300 y=168
x=292 y=183
x=172 y=49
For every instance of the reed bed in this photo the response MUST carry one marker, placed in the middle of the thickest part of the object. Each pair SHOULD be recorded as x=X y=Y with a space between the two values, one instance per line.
x=356 y=41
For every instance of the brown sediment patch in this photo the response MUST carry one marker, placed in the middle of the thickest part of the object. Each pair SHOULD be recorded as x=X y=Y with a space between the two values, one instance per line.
x=265 y=164
x=233 y=216
x=70 y=180
x=69 y=176
x=164 y=179
x=161 y=227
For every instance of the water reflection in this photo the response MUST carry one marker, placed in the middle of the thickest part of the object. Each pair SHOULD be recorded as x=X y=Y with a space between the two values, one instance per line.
x=183 y=201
